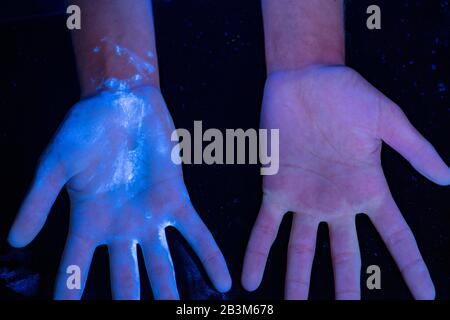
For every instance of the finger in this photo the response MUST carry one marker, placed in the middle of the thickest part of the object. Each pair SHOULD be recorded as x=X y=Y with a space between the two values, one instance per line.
x=49 y=181
x=199 y=237
x=302 y=244
x=261 y=239
x=346 y=258
x=74 y=268
x=124 y=270
x=399 y=133
x=160 y=268
x=400 y=241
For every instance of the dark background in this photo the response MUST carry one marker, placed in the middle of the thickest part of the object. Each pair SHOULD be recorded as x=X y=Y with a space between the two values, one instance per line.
x=211 y=57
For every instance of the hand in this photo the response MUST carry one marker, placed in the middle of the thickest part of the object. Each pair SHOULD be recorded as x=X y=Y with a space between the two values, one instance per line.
x=113 y=154
x=332 y=124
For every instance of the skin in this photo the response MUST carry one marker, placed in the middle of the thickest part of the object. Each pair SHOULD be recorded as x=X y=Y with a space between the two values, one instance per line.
x=113 y=155
x=105 y=25
x=332 y=124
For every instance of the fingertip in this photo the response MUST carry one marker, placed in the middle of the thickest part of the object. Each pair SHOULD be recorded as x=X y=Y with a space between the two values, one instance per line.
x=57 y=296
x=221 y=278
x=427 y=292
x=15 y=240
x=427 y=295
x=445 y=181
x=224 y=285
x=250 y=282
x=252 y=272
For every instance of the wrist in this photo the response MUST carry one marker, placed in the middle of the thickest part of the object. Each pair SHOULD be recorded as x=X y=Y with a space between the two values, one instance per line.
x=117 y=42
x=308 y=50
x=304 y=69
x=300 y=33
x=113 y=67
x=332 y=54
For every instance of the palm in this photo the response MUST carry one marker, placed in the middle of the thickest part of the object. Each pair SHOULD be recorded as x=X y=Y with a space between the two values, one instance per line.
x=339 y=169
x=113 y=154
x=332 y=123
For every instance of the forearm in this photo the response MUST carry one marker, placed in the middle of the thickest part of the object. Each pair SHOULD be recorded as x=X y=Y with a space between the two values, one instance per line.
x=116 y=41
x=299 y=33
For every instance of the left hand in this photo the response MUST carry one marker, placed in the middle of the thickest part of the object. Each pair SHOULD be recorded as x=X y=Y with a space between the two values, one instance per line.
x=332 y=123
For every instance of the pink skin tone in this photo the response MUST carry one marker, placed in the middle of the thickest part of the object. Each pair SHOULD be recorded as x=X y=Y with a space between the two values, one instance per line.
x=113 y=155
x=332 y=124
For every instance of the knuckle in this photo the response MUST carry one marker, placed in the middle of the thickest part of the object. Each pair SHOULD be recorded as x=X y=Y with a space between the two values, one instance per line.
x=397 y=237
x=345 y=257
x=211 y=258
x=351 y=293
x=411 y=265
x=159 y=271
x=257 y=253
x=265 y=228
x=300 y=249
x=295 y=283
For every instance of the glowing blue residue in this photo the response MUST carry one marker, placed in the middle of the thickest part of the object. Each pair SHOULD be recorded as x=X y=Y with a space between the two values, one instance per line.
x=163 y=241
x=442 y=87
x=20 y=281
x=115 y=84
x=118 y=50
x=147 y=215
x=134 y=250
x=162 y=233
x=136 y=77
x=131 y=110
x=143 y=68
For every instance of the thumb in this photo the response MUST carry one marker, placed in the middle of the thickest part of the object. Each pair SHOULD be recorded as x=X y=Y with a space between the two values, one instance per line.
x=399 y=133
x=48 y=182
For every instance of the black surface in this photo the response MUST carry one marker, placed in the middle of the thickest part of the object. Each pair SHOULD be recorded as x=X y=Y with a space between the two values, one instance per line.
x=211 y=56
